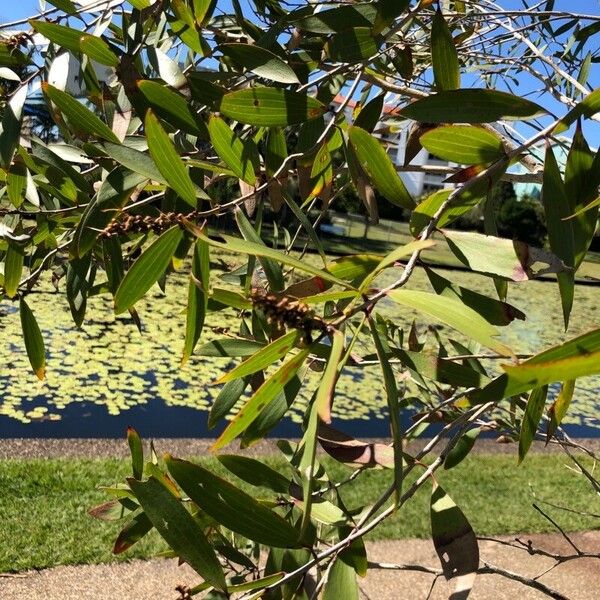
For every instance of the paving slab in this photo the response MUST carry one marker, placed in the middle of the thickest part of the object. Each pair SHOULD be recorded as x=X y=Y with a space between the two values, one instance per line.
x=157 y=579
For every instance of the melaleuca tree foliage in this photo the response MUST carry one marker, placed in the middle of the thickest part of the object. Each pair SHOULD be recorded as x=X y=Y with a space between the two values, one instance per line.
x=190 y=113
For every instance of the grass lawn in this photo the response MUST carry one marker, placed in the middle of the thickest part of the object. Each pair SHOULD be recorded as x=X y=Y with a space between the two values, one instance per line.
x=43 y=504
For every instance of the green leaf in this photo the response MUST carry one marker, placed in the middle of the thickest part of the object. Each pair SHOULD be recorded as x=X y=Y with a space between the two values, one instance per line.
x=167 y=160
x=387 y=12
x=172 y=107
x=501 y=257
x=260 y=61
x=341 y=582
x=439 y=369
x=272 y=414
x=133 y=532
x=454 y=541
x=462 y=448
x=271 y=267
x=134 y=160
x=578 y=357
x=231 y=507
x=205 y=91
x=463 y=144
x=352 y=45
x=11 y=126
x=270 y=107
x=61 y=35
x=64 y=5
x=557 y=207
x=265 y=357
x=104 y=207
x=531 y=419
x=226 y=400
x=394 y=256
x=147 y=269
x=587 y=108
x=10 y=56
x=229 y=347
x=391 y=391
x=582 y=178
x=275 y=151
x=179 y=529
x=444 y=58
x=560 y=406
x=471 y=106
x=239 y=155
x=13 y=269
x=77 y=288
x=338 y=19
x=379 y=168
x=197 y=298
x=324 y=398
x=82 y=121
x=493 y=311
x=266 y=393
x=137 y=452
x=34 y=343
x=234 y=244
x=97 y=49
x=370 y=114
x=255 y=472
x=455 y=314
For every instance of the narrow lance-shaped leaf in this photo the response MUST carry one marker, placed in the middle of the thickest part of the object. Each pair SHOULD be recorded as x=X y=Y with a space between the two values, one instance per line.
x=559 y=408
x=378 y=166
x=113 y=194
x=462 y=448
x=230 y=506
x=444 y=57
x=352 y=45
x=455 y=542
x=471 y=106
x=260 y=61
x=510 y=259
x=463 y=144
x=179 y=529
x=341 y=582
x=82 y=121
x=226 y=400
x=455 y=314
x=255 y=472
x=13 y=269
x=167 y=160
x=97 y=49
x=560 y=231
x=493 y=311
x=582 y=179
x=577 y=357
x=137 y=452
x=236 y=245
x=147 y=269
x=307 y=451
x=240 y=156
x=133 y=532
x=172 y=107
x=531 y=419
x=197 y=298
x=265 y=394
x=270 y=107
x=391 y=391
x=78 y=285
x=34 y=343
x=11 y=125
x=272 y=269
x=324 y=399
x=265 y=357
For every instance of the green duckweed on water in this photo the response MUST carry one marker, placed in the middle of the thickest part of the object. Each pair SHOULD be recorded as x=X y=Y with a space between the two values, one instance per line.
x=110 y=364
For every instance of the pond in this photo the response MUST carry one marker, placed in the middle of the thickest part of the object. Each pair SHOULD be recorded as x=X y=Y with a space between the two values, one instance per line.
x=108 y=376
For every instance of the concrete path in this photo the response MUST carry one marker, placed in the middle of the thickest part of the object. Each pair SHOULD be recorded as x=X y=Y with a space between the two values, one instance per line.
x=157 y=579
